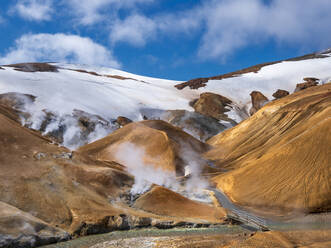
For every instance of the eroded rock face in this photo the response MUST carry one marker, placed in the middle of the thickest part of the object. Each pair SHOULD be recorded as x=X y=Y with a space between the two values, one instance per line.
x=198 y=125
x=20 y=229
x=213 y=105
x=280 y=93
x=258 y=101
x=308 y=82
x=122 y=121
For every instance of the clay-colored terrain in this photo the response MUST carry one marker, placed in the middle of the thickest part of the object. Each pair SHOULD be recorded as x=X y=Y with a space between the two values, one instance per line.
x=164 y=145
x=41 y=178
x=75 y=193
x=165 y=202
x=280 y=157
x=276 y=163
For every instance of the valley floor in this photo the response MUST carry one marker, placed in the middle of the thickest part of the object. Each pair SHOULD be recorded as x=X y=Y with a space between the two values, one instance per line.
x=221 y=236
x=149 y=237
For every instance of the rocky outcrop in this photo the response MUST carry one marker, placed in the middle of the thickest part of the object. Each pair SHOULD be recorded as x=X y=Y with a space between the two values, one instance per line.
x=198 y=125
x=122 y=121
x=308 y=82
x=258 y=101
x=280 y=93
x=213 y=105
x=34 y=67
x=21 y=229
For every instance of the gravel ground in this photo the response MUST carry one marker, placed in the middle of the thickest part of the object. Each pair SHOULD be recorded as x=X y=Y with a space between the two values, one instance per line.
x=148 y=235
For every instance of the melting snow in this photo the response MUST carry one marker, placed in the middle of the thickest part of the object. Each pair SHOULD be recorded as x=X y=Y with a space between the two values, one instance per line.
x=62 y=92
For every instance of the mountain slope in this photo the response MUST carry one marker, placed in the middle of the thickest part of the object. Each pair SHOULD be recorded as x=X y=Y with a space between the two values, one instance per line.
x=64 y=95
x=280 y=157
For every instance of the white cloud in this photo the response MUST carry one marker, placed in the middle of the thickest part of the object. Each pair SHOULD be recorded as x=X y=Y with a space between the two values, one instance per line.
x=229 y=25
x=59 y=48
x=136 y=30
x=33 y=10
x=92 y=11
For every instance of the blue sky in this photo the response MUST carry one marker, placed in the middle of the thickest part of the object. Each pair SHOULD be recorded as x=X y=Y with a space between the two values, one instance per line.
x=163 y=38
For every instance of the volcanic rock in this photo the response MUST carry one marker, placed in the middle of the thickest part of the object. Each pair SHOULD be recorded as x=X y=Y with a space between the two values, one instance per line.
x=119 y=222
x=213 y=105
x=200 y=126
x=122 y=121
x=280 y=157
x=21 y=229
x=192 y=102
x=308 y=82
x=280 y=93
x=34 y=67
x=258 y=101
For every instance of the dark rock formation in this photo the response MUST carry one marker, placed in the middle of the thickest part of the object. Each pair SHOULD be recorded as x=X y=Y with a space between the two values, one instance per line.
x=34 y=67
x=122 y=121
x=212 y=105
x=308 y=82
x=20 y=229
x=258 y=101
x=280 y=93
x=200 y=126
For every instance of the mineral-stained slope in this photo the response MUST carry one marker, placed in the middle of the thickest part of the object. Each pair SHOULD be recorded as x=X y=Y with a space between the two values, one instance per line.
x=71 y=192
x=163 y=201
x=41 y=178
x=280 y=158
x=165 y=147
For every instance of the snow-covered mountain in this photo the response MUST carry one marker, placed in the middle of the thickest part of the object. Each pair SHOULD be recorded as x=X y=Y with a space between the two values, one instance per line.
x=104 y=93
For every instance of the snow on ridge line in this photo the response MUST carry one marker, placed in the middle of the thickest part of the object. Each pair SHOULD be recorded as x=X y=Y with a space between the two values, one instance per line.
x=284 y=75
x=63 y=92
x=67 y=90
x=111 y=71
x=108 y=97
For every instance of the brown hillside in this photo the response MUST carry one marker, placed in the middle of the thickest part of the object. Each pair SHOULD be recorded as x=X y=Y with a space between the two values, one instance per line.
x=164 y=145
x=41 y=178
x=162 y=201
x=280 y=157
